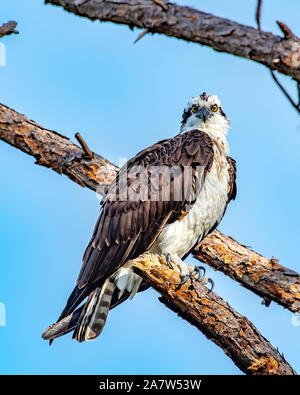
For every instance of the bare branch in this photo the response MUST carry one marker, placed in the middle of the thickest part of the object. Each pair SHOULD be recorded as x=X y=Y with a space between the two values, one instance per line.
x=161 y=4
x=288 y=34
x=140 y=36
x=88 y=153
x=263 y=276
x=257 y=14
x=51 y=149
x=297 y=107
x=189 y=24
x=8 y=28
x=219 y=322
x=259 y=274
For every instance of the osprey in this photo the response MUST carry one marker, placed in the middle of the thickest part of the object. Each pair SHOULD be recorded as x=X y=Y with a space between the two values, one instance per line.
x=165 y=200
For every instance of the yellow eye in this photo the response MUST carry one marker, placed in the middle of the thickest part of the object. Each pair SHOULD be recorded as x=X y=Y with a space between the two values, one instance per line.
x=214 y=108
x=195 y=108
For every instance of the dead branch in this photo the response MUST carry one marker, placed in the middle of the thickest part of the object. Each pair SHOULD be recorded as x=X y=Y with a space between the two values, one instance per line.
x=88 y=153
x=284 y=91
x=261 y=275
x=53 y=150
x=258 y=12
x=8 y=28
x=288 y=34
x=189 y=24
x=219 y=322
x=141 y=35
x=161 y=4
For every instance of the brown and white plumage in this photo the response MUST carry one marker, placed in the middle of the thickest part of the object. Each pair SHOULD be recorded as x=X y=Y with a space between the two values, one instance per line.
x=142 y=211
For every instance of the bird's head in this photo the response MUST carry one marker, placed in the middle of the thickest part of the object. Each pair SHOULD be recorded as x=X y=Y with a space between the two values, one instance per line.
x=204 y=112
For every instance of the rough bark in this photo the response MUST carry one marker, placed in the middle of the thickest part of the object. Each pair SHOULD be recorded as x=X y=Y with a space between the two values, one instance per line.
x=266 y=277
x=186 y=23
x=8 y=28
x=53 y=150
x=219 y=322
x=261 y=275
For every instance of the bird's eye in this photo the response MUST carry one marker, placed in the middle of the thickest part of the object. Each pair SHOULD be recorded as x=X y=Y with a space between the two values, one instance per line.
x=195 y=108
x=214 y=108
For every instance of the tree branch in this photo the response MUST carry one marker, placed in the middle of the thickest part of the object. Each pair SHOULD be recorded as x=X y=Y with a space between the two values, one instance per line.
x=261 y=275
x=258 y=12
x=8 y=28
x=219 y=322
x=88 y=153
x=284 y=91
x=53 y=150
x=189 y=24
x=288 y=34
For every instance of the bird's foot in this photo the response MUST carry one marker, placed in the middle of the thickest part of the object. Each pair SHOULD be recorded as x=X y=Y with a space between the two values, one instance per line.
x=169 y=260
x=188 y=271
x=126 y=280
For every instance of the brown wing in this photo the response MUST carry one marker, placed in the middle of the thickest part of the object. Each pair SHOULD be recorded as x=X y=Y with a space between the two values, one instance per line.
x=139 y=203
x=232 y=188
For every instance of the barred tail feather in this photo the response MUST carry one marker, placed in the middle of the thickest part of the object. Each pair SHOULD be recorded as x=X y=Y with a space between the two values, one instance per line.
x=94 y=314
x=63 y=326
x=88 y=320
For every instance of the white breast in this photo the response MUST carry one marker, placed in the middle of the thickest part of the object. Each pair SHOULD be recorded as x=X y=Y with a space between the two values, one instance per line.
x=181 y=236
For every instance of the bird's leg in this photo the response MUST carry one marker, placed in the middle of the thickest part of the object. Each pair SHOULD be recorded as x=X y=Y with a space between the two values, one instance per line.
x=206 y=280
x=169 y=260
x=127 y=280
x=188 y=271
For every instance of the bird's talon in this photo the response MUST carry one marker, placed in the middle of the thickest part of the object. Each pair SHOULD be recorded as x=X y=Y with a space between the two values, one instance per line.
x=169 y=261
x=212 y=284
x=198 y=270
x=185 y=279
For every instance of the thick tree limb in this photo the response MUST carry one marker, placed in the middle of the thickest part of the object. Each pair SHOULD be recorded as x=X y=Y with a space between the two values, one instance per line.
x=53 y=150
x=186 y=23
x=261 y=275
x=8 y=28
x=235 y=334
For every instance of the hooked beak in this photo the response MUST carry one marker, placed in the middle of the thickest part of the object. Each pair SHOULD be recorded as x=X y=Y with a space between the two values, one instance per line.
x=203 y=114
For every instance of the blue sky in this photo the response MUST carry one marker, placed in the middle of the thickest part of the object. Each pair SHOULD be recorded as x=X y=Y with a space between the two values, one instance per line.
x=70 y=74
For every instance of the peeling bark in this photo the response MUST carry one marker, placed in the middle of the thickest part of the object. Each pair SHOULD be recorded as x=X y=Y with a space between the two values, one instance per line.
x=186 y=23
x=261 y=275
x=53 y=150
x=8 y=28
x=219 y=322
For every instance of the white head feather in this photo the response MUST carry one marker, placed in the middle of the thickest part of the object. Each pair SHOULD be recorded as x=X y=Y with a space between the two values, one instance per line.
x=216 y=125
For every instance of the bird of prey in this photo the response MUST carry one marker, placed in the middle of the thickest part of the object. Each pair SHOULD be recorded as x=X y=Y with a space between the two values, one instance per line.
x=165 y=200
